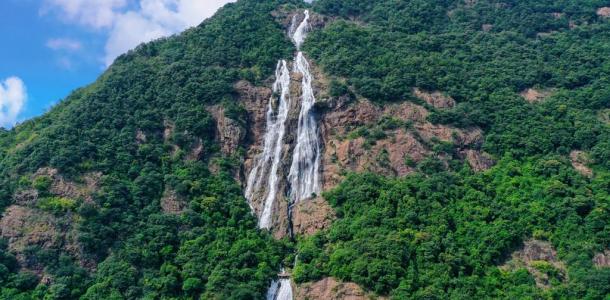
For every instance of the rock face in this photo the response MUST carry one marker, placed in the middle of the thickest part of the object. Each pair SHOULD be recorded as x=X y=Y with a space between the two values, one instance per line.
x=436 y=99
x=309 y=217
x=602 y=260
x=24 y=224
x=533 y=95
x=229 y=133
x=579 y=161
x=478 y=161
x=604 y=12
x=171 y=202
x=331 y=289
x=538 y=257
x=24 y=227
x=397 y=149
x=69 y=189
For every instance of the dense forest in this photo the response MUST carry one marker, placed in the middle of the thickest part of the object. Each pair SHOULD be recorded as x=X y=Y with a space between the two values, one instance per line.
x=443 y=232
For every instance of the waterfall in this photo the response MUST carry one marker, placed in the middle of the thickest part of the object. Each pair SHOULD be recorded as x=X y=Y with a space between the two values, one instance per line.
x=299 y=33
x=280 y=290
x=270 y=158
x=304 y=170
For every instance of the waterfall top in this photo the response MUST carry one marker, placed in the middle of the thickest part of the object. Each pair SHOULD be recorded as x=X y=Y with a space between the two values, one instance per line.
x=299 y=33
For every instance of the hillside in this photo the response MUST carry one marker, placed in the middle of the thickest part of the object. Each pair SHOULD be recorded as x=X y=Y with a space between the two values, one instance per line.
x=399 y=149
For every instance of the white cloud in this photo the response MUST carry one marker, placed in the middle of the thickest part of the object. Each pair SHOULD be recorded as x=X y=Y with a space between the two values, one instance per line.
x=154 y=19
x=127 y=28
x=92 y=13
x=12 y=100
x=64 y=44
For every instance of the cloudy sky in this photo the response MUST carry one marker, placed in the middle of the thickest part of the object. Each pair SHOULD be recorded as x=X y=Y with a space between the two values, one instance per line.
x=51 y=47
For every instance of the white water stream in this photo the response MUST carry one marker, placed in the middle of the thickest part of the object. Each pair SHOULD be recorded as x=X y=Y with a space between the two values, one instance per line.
x=270 y=159
x=280 y=290
x=304 y=170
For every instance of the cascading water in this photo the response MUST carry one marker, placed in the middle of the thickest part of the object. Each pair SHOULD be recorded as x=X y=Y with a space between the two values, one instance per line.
x=303 y=176
x=280 y=290
x=304 y=170
x=270 y=159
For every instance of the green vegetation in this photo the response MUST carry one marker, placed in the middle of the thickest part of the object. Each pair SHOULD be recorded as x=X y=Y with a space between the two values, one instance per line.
x=213 y=249
x=57 y=204
x=441 y=233
x=444 y=235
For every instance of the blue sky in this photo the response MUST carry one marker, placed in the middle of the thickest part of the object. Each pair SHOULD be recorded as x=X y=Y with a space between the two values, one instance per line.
x=51 y=47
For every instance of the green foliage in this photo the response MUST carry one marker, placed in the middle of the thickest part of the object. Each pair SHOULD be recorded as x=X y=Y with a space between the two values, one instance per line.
x=439 y=45
x=57 y=204
x=212 y=249
x=437 y=234
x=446 y=233
x=42 y=184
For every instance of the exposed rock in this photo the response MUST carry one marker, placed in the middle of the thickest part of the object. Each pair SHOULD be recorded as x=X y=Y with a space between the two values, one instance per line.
x=331 y=289
x=140 y=137
x=229 y=133
x=168 y=130
x=196 y=150
x=602 y=260
x=478 y=161
x=255 y=100
x=284 y=16
x=69 y=189
x=534 y=254
x=388 y=155
x=603 y=12
x=437 y=99
x=311 y=216
x=24 y=226
x=27 y=197
x=580 y=160
x=533 y=95
x=557 y=15
x=487 y=27
x=171 y=202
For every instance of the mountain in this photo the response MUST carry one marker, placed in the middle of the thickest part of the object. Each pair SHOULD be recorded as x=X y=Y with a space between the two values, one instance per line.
x=339 y=149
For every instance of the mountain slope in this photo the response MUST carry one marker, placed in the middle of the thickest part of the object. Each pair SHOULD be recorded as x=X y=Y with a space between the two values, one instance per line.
x=464 y=152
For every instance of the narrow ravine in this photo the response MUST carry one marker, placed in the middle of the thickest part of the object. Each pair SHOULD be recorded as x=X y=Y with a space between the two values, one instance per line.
x=303 y=177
